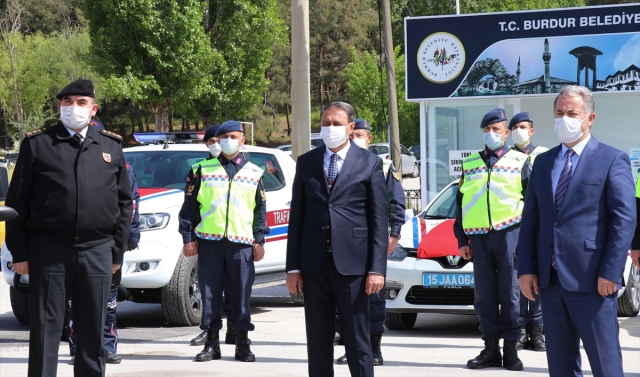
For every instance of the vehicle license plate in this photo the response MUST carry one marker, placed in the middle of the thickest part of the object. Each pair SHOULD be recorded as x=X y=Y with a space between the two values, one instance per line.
x=447 y=280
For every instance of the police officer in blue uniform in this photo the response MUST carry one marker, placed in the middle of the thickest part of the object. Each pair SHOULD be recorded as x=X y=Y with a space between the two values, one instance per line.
x=493 y=246
x=111 y=324
x=230 y=337
x=225 y=254
x=361 y=136
x=532 y=331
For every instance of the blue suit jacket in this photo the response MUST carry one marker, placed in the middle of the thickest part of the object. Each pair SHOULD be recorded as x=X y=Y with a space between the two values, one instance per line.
x=359 y=212
x=592 y=231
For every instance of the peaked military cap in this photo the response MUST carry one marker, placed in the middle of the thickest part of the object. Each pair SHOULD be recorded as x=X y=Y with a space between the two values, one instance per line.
x=520 y=117
x=493 y=116
x=229 y=126
x=210 y=132
x=362 y=124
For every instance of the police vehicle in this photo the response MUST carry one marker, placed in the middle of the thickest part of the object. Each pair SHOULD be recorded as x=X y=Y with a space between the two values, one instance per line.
x=425 y=273
x=158 y=272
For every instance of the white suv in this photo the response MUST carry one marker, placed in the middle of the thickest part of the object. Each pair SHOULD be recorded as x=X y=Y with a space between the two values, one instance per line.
x=410 y=165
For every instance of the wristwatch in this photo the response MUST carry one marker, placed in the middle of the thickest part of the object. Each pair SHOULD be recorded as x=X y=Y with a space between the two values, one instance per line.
x=395 y=235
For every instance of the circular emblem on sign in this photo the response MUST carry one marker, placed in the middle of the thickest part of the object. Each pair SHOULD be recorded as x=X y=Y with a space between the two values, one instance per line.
x=441 y=57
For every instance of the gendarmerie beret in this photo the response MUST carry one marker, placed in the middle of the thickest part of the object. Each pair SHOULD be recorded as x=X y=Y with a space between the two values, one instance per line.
x=210 y=132
x=493 y=116
x=78 y=88
x=520 y=117
x=362 y=124
x=229 y=126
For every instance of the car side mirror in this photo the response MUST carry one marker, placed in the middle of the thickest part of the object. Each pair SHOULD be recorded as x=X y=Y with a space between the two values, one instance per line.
x=7 y=213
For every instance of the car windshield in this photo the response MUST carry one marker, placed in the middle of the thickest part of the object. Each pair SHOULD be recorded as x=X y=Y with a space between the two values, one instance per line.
x=169 y=169
x=379 y=149
x=317 y=143
x=444 y=207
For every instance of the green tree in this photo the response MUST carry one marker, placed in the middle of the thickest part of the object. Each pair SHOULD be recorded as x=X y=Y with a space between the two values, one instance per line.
x=154 y=52
x=48 y=16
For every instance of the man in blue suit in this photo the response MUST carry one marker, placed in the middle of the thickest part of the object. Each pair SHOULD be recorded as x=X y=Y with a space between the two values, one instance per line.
x=577 y=226
x=338 y=236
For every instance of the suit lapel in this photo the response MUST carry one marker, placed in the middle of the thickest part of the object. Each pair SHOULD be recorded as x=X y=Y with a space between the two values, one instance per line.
x=349 y=162
x=548 y=178
x=586 y=159
x=318 y=159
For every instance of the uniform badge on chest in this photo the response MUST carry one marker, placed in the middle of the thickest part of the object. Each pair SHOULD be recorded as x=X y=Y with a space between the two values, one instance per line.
x=106 y=157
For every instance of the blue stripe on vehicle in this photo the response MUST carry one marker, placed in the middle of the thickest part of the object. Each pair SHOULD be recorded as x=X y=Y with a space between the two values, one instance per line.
x=153 y=196
x=278 y=231
x=416 y=231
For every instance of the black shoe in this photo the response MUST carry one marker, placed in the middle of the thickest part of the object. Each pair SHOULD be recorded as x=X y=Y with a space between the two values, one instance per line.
x=510 y=359
x=376 y=339
x=200 y=340
x=342 y=359
x=243 y=351
x=489 y=356
x=113 y=358
x=73 y=360
x=211 y=349
x=523 y=342
x=537 y=339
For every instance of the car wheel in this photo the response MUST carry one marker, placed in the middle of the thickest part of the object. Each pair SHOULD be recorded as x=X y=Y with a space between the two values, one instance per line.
x=181 y=298
x=298 y=298
x=415 y=173
x=400 y=321
x=19 y=305
x=629 y=302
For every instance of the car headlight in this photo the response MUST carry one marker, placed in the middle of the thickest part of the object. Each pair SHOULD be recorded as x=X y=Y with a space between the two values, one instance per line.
x=393 y=288
x=398 y=254
x=154 y=221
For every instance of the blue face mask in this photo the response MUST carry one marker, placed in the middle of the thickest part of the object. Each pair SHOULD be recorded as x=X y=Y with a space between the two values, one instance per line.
x=493 y=140
x=229 y=146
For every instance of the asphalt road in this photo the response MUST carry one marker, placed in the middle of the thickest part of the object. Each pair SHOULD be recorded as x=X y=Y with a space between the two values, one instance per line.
x=438 y=345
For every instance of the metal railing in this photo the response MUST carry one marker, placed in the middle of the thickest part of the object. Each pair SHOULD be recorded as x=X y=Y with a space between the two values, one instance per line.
x=413 y=200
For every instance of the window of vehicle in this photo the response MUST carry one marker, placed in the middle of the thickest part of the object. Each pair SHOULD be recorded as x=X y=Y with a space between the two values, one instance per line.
x=4 y=182
x=404 y=150
x=272 y=179
x=445 y=205
x=317 y=143
x=379 y=149
x=168 y=169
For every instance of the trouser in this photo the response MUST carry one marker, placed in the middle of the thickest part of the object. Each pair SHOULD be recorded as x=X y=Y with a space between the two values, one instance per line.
x=323 y=292
x=496 y=287
x=110 y=323
x=56 y=273
x=377 y=308
x=573 y=316
x=225 y=263
x=530 y=312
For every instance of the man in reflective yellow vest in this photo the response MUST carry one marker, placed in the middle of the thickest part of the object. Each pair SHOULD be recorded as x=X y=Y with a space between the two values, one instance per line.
x=635 y=244
x=490 y=200
x=223 y=221
x=532 y=331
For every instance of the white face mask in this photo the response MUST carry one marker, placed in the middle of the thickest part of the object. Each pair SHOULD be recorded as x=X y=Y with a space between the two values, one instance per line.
x=493 y=140
x=362 y=143
x=215 y=149
x=229 y=146
x=333 y=136
x=568 y=129
x=520 y=135
x=75 y=117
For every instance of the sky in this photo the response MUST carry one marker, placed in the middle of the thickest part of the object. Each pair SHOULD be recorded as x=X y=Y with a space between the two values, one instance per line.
x=619 y=51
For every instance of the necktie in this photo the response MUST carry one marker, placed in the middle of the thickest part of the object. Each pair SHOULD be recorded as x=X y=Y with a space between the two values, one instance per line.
x=78 y=138
x=561 y=190
x=332 y=173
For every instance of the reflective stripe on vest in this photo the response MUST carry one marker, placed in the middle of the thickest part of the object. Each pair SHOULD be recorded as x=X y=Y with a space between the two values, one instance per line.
x=536 y=152
x=226 y=207
x=492 y=198
x=386 y=165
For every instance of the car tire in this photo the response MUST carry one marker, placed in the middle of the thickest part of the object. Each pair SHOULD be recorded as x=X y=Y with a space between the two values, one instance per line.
x=629 y=302
x=415 y=173
x=400 y=321
x=19 y=305
x=181 y=298
x=298 y=298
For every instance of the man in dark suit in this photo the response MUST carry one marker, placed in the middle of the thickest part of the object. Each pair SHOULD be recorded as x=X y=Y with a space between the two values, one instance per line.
x=577 y=225
x=337 y=248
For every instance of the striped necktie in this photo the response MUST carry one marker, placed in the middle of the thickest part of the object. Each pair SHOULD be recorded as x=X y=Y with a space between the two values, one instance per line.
x=561 y=189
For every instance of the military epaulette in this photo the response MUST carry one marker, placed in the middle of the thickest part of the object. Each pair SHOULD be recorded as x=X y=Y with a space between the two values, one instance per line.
x=33 y=133
x=111 y=135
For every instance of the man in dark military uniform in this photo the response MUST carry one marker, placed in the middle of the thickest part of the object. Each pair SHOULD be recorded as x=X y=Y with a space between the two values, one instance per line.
x=489 y=202
x=532 y=331
x=67 y=241
x=230 y=337
x=361 y=136
x=223 y=221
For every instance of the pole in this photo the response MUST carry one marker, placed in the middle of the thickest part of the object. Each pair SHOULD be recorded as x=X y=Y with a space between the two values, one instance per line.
x=300 y=79
x=251 y=123
x=394 y=143
x=457 y=6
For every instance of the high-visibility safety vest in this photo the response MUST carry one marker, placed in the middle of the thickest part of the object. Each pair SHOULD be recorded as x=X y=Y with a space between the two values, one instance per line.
x=492 y=198
x=534 y=153
x=638 y=188
x=226 y=206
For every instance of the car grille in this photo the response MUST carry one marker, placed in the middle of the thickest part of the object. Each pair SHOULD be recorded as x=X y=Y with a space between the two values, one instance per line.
x=419 y=295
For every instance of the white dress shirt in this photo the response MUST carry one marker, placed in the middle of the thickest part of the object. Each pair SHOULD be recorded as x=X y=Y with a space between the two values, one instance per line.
x=561 y=158
x=82 y=133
